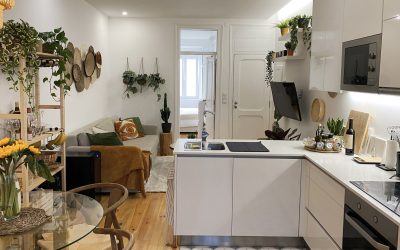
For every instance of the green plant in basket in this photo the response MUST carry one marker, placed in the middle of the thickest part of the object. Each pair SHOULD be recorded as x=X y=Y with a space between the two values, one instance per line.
x=335 y=126
x=13 y=155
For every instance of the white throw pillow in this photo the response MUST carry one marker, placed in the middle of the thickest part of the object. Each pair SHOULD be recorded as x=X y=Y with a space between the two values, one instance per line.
x=100 y=131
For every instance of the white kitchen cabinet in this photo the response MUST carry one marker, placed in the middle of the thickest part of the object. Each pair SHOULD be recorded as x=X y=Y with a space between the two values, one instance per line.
x=390 y=54
x=326 y=203
x=203 y=196
x=316 y=237
x=266 y=197
x=305 y=187
x=326 y=49
x=362 y=18
x=391 y=8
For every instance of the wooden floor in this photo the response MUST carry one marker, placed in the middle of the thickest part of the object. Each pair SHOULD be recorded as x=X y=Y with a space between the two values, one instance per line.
x=146 y=218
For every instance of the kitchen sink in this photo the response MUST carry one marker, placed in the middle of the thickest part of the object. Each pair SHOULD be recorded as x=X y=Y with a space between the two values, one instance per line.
x=197 y=145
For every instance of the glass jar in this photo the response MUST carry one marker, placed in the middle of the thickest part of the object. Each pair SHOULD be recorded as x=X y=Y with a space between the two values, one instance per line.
x=10 y=196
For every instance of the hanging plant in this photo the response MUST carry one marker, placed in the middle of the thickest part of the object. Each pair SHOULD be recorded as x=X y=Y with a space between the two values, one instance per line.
x=55 y=42
x=129 y=79
x=155 y=81
x=269 y=69
x=17 y=40
x=141 y=78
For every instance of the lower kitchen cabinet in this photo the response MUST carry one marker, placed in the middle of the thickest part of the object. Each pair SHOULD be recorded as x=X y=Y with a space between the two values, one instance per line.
x=266 y=197
x=203 y=196
x=315 y=236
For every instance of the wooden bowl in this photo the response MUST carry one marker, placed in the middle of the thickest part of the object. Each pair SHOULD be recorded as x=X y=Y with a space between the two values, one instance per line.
x=317 y=110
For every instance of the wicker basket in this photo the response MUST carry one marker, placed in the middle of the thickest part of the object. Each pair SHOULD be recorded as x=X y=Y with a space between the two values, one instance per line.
x=49 y=157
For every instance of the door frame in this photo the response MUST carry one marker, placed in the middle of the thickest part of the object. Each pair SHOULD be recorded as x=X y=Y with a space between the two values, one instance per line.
x=214 y=27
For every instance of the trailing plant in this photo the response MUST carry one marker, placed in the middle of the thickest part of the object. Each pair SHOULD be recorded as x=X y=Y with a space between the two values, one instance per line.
x=17 y=40
x=335 y=126
x=129 y=79
x=56 y=42
x=165 y=112
x=283 y=24
x=141 y=80
x=269 y=68
x=155 y=81
x=303 y=22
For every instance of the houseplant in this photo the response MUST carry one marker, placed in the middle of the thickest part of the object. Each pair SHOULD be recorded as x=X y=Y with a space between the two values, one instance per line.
x=269 y=69
x=277 y=133
x=129 y=79
x=18 y=40
x=13 y=155
x=284 y=26
x=304 y=22
x=165 y=114
x=154 y=82
x=55 y=42
x=290 y=50
x=336 y=128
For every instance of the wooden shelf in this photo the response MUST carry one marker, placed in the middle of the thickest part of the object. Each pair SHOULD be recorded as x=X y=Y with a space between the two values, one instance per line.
x=43 y=136
x=11 y=116
x=289 y=58
x=49 y=106
x=47 y=56
x=39 y=180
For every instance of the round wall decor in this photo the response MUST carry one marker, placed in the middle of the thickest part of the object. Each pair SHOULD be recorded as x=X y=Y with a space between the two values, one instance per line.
x=317 y=110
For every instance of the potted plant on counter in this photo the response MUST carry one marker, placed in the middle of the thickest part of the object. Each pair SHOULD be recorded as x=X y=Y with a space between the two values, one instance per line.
x=165 y=114
x=13 y=155
x=284 y=26
x=290 y=49
x=336 y=127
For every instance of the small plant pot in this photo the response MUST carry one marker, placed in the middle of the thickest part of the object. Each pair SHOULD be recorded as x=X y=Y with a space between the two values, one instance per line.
x=166 y=127
x=46 y=48
x=290 y=52
x=284 y=31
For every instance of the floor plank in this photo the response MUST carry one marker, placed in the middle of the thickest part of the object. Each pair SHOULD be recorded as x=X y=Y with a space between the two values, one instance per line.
x=146 y=218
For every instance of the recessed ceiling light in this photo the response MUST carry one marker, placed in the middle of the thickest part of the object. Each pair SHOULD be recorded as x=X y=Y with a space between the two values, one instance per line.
x=124 y=13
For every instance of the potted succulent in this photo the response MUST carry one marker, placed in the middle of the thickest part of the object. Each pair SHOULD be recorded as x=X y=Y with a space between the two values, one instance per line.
x=290 y=50
x=165 y=114
x=284 y=26
x=336 y=127
x=13 y=155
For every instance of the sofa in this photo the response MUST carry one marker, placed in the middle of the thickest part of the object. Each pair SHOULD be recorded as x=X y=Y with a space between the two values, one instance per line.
x=149 y=144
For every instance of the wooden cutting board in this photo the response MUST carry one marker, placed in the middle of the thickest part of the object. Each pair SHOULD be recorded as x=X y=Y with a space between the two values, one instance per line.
x=361 y=122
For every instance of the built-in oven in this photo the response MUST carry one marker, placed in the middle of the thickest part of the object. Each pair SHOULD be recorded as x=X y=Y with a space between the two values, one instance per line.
x=366 y=228
x=361 y=60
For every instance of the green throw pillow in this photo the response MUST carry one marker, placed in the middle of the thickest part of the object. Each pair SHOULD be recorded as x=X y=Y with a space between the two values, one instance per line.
x=138 y=124
x=105 y=139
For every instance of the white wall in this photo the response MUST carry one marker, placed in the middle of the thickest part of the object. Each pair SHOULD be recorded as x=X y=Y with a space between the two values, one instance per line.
x=150 y=38
x=84 y=26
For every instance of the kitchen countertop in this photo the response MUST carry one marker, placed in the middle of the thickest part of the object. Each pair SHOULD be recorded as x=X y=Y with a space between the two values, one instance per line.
x=337 y=165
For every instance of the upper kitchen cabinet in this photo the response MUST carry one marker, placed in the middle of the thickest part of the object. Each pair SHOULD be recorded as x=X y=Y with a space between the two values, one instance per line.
x=391 y=9
x=326 y=49
x=362 y=18
x=390 y=54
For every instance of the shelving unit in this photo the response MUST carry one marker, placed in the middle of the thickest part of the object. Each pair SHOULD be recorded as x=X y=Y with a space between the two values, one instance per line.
x=289 y=58
x=28 y=184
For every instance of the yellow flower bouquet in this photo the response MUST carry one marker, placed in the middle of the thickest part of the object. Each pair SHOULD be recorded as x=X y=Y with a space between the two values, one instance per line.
x=14 y=154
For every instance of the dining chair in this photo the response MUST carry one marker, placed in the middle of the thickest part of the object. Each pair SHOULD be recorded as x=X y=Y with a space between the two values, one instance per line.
x=118 y=195
x=119 y=234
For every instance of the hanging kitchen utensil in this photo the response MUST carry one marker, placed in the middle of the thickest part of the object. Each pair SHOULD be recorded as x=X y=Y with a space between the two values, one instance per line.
x=77 y=71
x=317 y=110
x=90 y=64
x=99 y=59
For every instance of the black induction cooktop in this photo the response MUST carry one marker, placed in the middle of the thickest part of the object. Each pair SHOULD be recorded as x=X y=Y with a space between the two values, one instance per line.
x=385 y=192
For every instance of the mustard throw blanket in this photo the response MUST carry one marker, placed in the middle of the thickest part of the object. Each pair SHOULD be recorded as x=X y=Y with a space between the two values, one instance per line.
x=118 y=162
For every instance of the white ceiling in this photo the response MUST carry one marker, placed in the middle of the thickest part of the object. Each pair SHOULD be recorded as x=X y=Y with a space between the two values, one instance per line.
x=248 y=9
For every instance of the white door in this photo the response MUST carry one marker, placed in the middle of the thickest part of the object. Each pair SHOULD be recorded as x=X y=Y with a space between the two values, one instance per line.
x=266 y=197
x=203 y=196
x=251 y=97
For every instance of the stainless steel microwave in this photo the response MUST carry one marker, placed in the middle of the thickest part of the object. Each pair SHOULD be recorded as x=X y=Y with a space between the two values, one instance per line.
x=361 y=60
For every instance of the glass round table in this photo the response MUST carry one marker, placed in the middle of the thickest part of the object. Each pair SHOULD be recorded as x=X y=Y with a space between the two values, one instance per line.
x=73 y=217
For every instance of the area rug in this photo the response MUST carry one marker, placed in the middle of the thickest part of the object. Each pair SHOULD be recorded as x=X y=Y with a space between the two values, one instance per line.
x=157 y=182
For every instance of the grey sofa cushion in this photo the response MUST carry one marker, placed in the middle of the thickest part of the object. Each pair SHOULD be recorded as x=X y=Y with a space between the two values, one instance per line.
x=147 y=143
x=83 y=139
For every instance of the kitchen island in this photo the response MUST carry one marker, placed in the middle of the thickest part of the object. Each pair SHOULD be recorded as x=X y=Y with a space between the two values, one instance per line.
x=286 y=193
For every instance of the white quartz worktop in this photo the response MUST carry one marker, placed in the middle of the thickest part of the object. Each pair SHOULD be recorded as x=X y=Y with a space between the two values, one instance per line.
x=337 y=165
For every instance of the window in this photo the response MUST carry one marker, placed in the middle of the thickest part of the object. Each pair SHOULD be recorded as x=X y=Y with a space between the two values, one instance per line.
x=191 y=76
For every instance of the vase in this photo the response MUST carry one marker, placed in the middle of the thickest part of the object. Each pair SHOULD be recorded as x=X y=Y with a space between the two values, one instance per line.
x=10 y=197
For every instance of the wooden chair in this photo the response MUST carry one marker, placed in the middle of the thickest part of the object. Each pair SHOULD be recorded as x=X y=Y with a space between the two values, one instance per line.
x=119 y=234
x=118 y=195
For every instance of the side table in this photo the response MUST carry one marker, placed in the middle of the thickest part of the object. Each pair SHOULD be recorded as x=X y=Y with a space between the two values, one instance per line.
x=165 y=142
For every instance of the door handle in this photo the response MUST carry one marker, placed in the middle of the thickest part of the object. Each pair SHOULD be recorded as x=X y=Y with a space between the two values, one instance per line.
x=364 y=234
x=235 y=105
